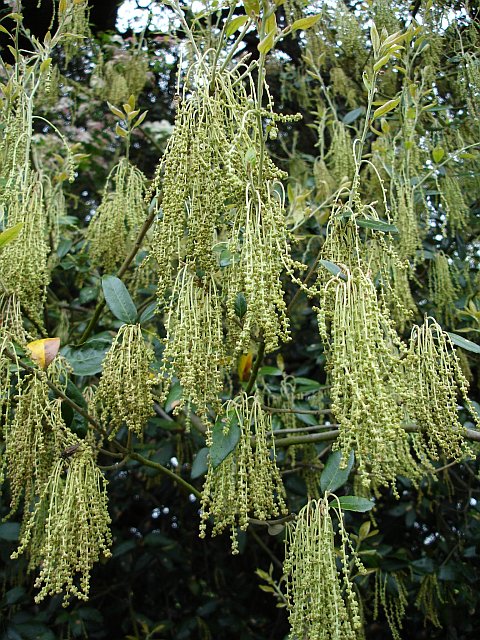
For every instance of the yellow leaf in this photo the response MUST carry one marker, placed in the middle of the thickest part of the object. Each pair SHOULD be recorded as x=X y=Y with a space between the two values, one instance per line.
x=62 y=7
x=244 y=366
x=44 y=351
x=131 y=101
x=140 y=119
x=235 y=24
x=438 y=153
x=3 y=30
x=45 y=65
x=251 y=6
x=120 y=131
x=306 y=23
x=9 y=235
x=271 y=23
x=116 y=111
x=267 y=43
x=15 y=16
x=385 y=108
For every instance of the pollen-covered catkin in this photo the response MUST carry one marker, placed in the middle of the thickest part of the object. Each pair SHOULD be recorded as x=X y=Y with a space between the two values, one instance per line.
x=68 y=529
x=124 y=392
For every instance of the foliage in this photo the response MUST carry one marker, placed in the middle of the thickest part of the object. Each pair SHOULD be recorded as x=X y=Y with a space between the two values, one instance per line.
x=255 y=237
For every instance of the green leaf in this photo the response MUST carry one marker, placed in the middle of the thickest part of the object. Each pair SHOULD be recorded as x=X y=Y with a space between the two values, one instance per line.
x=235 y=24
x=354 y=503
x=173 y=397
x=376 y=225
x=14 y=595
x=240 y=305
x=118 y=299
x=200 y=464
x=333 y=477
x=438 y=153
x=9 y=531
x=9 y=235
x=458 y=341
x=267 y=43
x=85 y=362
x=269 y=371
x=351 y=116
x=251 y=6
x=148 y=313
x=306 y=23
x=385 y=108
x=223 y=444
x=333 y=268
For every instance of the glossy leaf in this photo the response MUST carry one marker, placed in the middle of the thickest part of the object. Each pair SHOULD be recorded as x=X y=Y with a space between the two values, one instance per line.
x=333 y=476
x=224 y=443
x=118 y=299
x=354 y=503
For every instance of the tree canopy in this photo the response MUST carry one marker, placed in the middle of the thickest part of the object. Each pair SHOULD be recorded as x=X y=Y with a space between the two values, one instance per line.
x=239 y=318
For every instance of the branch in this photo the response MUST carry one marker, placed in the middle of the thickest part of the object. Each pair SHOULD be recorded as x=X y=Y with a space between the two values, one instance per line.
x=167 y=472
x=126 y=263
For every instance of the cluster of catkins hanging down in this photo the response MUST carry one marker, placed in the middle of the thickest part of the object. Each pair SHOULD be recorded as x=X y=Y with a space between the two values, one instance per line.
x=382 y=388
x=220 y=236
x=320 y=594
x=53 y=475
x=247 y=481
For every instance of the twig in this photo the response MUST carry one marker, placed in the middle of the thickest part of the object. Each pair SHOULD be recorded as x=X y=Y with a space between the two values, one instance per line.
x=256 y=367
x=167 y=472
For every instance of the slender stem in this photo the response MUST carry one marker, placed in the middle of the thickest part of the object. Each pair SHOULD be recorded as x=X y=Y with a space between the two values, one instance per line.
x=256 y=367
x=315 y=412
x=167 y=472
x=469 y=434
x=310 y=273
x=126 y=263
x=266 y=548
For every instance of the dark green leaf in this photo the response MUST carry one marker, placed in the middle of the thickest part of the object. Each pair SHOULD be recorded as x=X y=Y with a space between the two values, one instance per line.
x=200 y=464
x=9 y=531
x=173 y=397
x=354 y=503
x=240 y=305
x=84 y=361
x=223 y=444
x=148 y=313
x=351 y=116
x=333 y=268
x=269 y=371
x=458 y=341
x=333 y=477
x=118 y=299
x=376 y=225
x=14 y=595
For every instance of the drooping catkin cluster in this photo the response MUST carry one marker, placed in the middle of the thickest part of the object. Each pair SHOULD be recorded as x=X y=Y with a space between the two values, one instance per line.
x=195 y=343
x=363 y=354
x=247 y=481
x=443 y=292
x=73 y=16
x=406 y=219
x=23 y=263
x=435 y=376
x=68 y=529
x=114 y=227
x=390 y=592
x=34 y=438
x=221 y=227
x=453 y=202
x=124 y=395
x=117 y=79
x=321 y=598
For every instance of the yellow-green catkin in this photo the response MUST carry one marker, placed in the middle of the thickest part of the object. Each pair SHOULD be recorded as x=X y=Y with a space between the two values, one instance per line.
x=261 y=246
x=453 y=202
x=340 y=158
x=363 y=353
x=121 y=77
x=114 y=227
x=194 y=344
x=73 y=21
x=247 y=482
x=443 y=292
x=429 y=598
x=436 y=380
x=406 y=219
x=68 y=530
x=23 y=263
x=124 y=392
x=391 y=593
x=321 y=598
x=34 y=437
